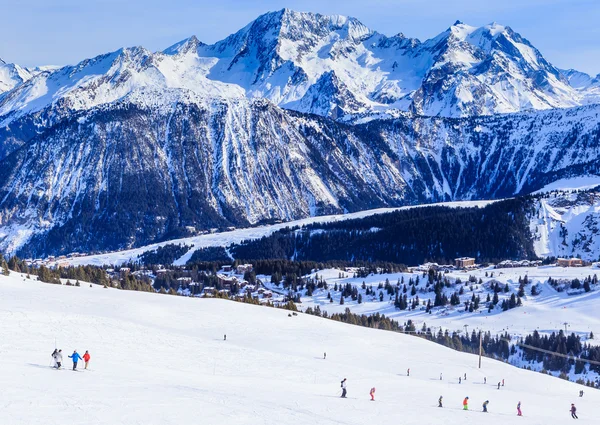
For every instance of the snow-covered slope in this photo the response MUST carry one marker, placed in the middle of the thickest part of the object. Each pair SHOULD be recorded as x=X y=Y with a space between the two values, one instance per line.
x=11 y=75
x=585 y=84
x=568 y=224
x=160 y=359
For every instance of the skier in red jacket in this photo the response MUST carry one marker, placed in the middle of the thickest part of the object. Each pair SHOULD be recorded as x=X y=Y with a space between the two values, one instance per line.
x=86 y=358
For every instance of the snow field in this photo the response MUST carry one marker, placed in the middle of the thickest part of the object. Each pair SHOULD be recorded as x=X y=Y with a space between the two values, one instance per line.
x=162 y=360
x=546 y=312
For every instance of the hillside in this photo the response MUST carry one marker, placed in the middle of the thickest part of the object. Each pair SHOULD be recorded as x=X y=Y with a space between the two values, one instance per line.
x=162 y=360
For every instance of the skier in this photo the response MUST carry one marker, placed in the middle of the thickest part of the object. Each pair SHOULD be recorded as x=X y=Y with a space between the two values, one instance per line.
x=459 y=379
x=440 y=376
x=503 y=382
x=440 y=401
x=465 y=376
x=485 y=404
x=519 y=409
x=58 y=359
x=581 y=393
x=466 y=403
x=344 y=388
x=498 y=385
x=225 y=337
x=54 y=356
x=484 y=380
x=86 y=358
x=573 y=411
x=76 y=357
x=324 y=356
x=408 y=372
x=372 y=394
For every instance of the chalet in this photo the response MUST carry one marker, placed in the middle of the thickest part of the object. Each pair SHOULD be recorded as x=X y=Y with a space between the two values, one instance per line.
x=243 y=268
x=227 y=269
x=267 y=294
x=464 y=262
x=226 y=282
x=209 y=291
x=184 y=280
x=161 y=272
x=569 y=262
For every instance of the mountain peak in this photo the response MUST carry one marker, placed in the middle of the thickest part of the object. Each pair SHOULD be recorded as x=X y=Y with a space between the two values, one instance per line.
x=184 y=46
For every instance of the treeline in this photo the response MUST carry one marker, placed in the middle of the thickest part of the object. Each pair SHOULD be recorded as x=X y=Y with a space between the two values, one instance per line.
x=77 y=274
x=496 y=232
x=570 y=345
x=166 y=254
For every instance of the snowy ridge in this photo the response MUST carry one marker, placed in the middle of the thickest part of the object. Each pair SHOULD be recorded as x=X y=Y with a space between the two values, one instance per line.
x=288 y=56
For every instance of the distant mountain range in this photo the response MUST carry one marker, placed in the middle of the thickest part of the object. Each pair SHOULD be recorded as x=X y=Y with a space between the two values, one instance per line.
x=296 y=114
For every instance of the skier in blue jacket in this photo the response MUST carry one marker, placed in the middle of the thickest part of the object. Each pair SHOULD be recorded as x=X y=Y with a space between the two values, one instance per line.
x=76 y=357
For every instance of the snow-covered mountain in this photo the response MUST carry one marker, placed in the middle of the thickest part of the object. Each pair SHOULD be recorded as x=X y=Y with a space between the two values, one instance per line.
x=89 y=181
x=11 y=75
x=256 y=127
x=330 y=65
x=585 y=84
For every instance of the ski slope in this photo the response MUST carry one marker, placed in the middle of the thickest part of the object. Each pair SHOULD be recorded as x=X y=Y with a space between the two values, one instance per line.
x=225 y=239
x=546 y=312
x=159 y=359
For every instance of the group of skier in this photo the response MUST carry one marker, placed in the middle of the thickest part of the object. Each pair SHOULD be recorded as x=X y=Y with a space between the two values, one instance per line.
x=75 y=357
x=466 y=399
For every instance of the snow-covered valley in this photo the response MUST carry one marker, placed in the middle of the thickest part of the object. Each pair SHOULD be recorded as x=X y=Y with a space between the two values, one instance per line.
x=162 y=360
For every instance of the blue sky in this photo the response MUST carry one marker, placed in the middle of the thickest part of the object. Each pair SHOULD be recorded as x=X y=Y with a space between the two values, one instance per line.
x=40 y=32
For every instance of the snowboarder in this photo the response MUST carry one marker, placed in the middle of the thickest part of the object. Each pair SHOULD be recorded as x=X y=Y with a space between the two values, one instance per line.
x=344 y=388
x=440 y=376
x=372 y=394
x=58 y=359
x=440 y=401
x=573 y=411
x=519 y=409
x=86 y=358
x=408 y=372
x=459 y=379
x=76 y=357
x=498 y=385
x=466 y=403
x=485 y=404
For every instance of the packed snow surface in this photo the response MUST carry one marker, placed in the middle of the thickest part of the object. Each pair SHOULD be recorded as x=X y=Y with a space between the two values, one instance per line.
x=574 y=183
x=159 y=359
